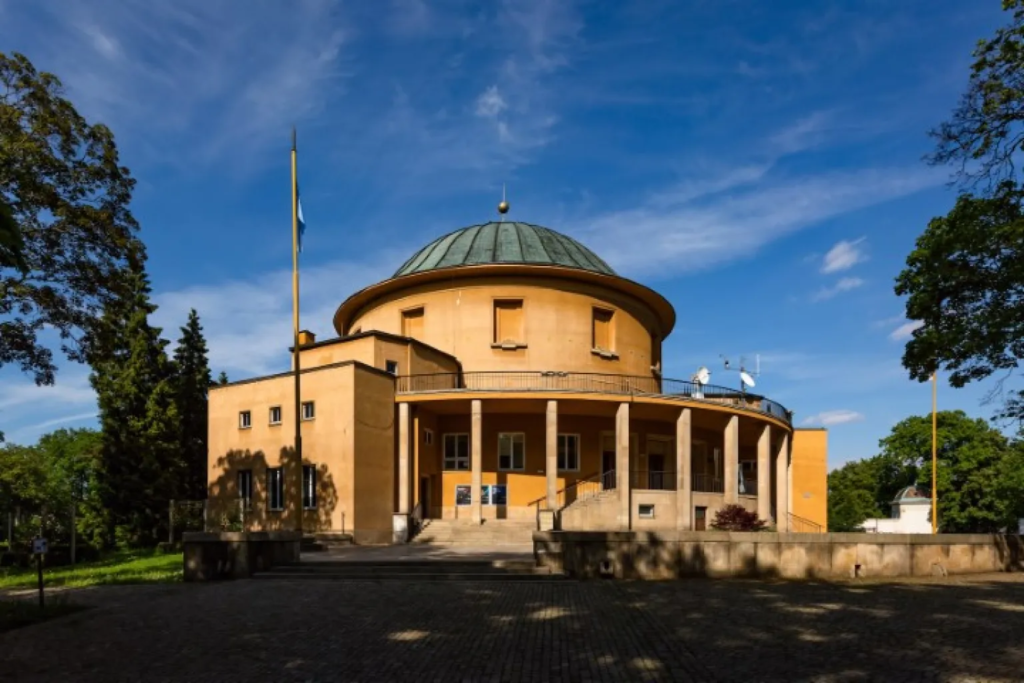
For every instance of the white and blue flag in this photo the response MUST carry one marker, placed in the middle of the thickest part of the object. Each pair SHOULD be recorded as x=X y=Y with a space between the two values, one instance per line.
x=298 y=211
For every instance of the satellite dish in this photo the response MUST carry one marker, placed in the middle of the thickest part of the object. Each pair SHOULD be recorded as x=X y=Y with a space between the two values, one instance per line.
x=746 y=379
x=703 y=375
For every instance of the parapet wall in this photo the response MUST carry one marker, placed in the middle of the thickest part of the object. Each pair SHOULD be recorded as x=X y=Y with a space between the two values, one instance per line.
x=669 y=555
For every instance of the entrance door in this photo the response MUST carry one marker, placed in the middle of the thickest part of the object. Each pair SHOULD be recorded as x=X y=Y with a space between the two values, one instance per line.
x=700 y=519
x=656 y=475
x=425 y=496
x=608 y=461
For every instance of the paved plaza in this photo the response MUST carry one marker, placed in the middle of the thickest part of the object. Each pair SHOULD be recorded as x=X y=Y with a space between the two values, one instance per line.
x=320 y=630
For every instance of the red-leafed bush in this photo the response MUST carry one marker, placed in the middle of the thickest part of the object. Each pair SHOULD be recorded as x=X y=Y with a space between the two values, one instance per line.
x=737 y=518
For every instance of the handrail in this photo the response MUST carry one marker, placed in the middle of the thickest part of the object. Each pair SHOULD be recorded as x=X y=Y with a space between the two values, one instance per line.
x=588 y=382
x=814 y=527
x=543 y=499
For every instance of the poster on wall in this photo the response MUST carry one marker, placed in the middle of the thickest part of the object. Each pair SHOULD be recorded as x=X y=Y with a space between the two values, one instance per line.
x=485 y=495
x=499 y=494
x=463 y=494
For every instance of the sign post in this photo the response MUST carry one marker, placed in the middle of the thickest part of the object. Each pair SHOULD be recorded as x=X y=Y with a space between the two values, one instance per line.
x=39 y=548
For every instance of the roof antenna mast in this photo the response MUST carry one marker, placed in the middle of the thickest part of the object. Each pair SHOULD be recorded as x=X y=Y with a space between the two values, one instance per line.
x=503 y=206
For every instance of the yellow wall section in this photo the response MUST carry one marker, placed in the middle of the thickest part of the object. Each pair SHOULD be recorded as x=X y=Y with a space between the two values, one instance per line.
x=557 y=324
x=810 y=475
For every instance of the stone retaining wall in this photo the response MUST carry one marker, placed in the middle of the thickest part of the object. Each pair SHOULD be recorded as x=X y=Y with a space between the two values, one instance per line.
x=237 y=554
x=668 y=555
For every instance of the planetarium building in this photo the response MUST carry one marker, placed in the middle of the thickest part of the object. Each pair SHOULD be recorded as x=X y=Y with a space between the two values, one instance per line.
x=505 y=377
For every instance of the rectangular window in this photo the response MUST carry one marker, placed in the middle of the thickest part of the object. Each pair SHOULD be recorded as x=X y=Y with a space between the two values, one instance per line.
x=308 y=410
x=412 y=323
x=568 y=452
x=603 y=338
x=428 y=436
x=275 y=488
x=508 y=322
x=456 y=451
x=391 y=366
x=512 y=451
x=309 y=487
x=275 y=415
x=646 y=511
x=244 y=419
x=245 y=488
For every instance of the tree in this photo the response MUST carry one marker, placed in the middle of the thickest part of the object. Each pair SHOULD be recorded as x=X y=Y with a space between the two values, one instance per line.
x=140 y=467
x=68 y=196
x=737 y=518
x=971 y=459
x=71 y=457
x=855 y=493
x=222 y=378
x=192 y=382
x=12 y=246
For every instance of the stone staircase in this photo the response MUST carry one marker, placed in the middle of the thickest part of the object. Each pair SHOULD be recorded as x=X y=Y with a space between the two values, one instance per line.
x=492 y=532
x=414 y=570
x=596 y=511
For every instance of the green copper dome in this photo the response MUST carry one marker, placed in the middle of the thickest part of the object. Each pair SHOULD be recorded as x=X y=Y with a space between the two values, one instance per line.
x=507 y=242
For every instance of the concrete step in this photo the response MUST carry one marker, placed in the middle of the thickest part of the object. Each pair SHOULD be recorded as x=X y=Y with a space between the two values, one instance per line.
x=414 y=570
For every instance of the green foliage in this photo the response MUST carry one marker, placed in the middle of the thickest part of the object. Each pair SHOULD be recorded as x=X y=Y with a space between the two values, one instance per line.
x=140 y=466
x=222 y=378
x=12 y=245
x=737 y=518
x=980 y=482
x=965 y=282
x=69 y=198
x=191 y=383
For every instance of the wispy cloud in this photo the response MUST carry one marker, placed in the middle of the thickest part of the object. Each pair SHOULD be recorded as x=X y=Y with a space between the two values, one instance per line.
x=844 y=285
x=831 y=418
x=30 y=432
x=906 y=330
x=843 y=256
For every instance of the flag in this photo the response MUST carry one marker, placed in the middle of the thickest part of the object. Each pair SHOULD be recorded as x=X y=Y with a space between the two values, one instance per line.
x=298 y=210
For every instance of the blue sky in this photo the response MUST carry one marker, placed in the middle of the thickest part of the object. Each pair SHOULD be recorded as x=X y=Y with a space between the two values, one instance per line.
x=759 y=165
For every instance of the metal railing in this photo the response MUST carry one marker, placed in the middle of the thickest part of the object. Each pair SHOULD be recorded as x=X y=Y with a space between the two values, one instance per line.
x=653 y=480
x=588 y=382
x=581 y=489
x=802 y=525
x=707 y=483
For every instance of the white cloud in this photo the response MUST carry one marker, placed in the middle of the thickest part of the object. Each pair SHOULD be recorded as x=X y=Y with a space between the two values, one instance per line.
x=490 y=103
x=31 y=432
x=906 y=330
x=844 y=285
x=71 y=388
x=735 y=216
x=830 y=418
x=843 y=256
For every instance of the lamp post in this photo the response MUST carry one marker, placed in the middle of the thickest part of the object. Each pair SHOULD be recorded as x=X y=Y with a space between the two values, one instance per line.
x=935 y=519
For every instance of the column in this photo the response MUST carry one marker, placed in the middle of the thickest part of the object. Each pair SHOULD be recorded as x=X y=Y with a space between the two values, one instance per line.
x=476 y=458
x=764 y=489
x=732 y=460
x=622 y=464
x=400 y=524
x=551 y=453
x=782 y=484
x=684 y=466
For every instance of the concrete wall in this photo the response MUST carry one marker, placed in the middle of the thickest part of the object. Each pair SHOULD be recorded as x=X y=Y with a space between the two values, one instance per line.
x=374 y=456
x=667 y=555
x=458 y=319
x=213 y=556
x=809 y=490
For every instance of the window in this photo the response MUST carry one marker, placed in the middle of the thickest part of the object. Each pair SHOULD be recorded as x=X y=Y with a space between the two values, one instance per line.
x=244 y=419
x=412 y=323
x=245 y=488
x=308 y=410
x=275 y=488
x=309 y=487
x=646 y=511
x=508 y=323
x=456 y=451
x=391 y=366
x=275 y=415
x=568 y=452
x=512 y=451
x=602 y=330
x=428 y=436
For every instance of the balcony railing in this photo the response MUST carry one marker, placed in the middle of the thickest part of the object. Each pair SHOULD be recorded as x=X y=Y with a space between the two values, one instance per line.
x=653 y=480
x=587 y=382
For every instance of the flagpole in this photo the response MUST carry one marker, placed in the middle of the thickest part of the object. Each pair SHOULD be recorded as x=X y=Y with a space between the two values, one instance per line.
x=935 y=463
x=295 y=331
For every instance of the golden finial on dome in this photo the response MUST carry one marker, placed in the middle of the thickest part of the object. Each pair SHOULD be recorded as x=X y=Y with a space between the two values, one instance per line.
x=503 y=205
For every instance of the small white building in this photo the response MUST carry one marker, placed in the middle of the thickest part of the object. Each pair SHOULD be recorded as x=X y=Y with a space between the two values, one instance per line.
x=911 y=514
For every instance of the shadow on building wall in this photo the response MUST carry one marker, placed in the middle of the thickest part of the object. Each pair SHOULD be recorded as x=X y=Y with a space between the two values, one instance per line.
x=226 y=510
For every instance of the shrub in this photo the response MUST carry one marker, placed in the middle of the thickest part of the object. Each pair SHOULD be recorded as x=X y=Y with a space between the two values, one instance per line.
x=737 y=518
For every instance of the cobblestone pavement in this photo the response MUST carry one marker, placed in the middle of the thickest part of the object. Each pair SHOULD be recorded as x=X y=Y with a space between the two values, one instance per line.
x=270 y=630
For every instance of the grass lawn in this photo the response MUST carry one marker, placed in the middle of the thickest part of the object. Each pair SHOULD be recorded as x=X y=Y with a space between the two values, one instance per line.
x=123 y=567
x=15 y=613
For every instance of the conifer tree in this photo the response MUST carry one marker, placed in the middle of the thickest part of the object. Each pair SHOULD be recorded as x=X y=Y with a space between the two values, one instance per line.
x=140 y=466
x=222 y=378
x=192 y=381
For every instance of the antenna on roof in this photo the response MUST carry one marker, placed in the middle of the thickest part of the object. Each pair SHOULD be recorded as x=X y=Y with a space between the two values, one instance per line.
x=503 y=206
x=746 y=378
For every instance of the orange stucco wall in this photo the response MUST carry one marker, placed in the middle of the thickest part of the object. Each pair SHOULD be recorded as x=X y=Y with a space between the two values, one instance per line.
x=557 y=315
x=809 y=495
x=375 y=351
